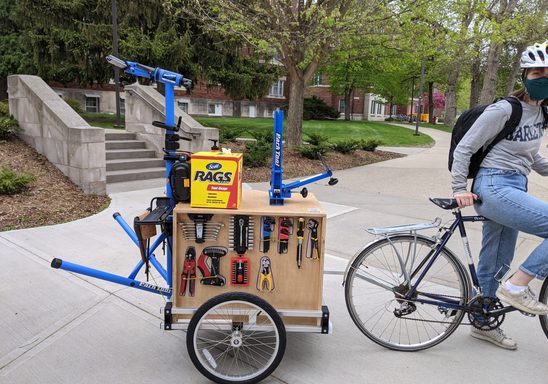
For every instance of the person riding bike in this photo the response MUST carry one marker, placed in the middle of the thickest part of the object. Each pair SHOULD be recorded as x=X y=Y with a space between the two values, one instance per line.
x=499 y=192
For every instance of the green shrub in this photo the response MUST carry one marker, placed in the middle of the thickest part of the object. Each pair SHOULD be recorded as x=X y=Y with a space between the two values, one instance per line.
x=315 y=108
x=228 y=134
x=256 y=154
x=369 y=144
x=346 y=146
x=265 y=137
x=4 y=109
x=74 y=104
x=313 y=152
x=11 y=183
x=8 y=127
x=317 y=139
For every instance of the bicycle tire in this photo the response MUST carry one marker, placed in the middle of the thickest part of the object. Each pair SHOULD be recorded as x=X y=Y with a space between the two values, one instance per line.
x=236 y=338
x=372 y=307
x=543 y=298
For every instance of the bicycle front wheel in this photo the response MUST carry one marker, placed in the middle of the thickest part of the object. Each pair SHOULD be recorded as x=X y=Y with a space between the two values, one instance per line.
x=236 y=338
x=384 y=273
x=543 y=298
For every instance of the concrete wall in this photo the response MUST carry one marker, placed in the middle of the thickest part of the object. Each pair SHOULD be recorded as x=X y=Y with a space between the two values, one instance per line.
x=52 y=127
x=144 y=105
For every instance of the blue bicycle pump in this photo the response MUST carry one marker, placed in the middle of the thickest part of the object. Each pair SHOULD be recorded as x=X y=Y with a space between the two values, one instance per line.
x=164 y=206
x=278 y=190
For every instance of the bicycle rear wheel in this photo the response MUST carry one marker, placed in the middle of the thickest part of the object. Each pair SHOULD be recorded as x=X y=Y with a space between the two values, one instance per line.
x=376 y=283
x=543 y=298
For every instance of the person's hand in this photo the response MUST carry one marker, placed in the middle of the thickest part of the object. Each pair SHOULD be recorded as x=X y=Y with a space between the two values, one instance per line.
x=465 y=199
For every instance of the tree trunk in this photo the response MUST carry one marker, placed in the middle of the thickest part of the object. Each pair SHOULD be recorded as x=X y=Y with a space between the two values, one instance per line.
x=515 y=69
x=431 y=102
x=295 y=112
x=347 y=101
x=451 y=95
x=475 y=83
x=237 y=108
x=489 y=87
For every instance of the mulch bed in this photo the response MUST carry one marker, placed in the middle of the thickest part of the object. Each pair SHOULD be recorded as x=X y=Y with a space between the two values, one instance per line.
x=54 y=199
x=51 y=199
x=296 y=166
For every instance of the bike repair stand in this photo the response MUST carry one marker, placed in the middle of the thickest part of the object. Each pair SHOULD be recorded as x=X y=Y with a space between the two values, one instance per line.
x=278 y=190
x=160 y=210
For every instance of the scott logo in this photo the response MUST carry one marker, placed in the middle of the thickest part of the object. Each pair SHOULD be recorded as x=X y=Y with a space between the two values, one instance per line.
x=213 y=166
x=218 y=177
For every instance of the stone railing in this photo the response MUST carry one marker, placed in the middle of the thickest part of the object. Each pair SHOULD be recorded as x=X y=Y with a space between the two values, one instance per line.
x=144 y=104
x=52 y=127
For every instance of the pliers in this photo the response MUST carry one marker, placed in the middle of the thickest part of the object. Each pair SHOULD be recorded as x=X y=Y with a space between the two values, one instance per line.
x=188 y=277
x=265 y=281
x=313 y=251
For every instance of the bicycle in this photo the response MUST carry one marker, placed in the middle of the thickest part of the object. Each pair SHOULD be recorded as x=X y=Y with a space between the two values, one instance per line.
x=409 y=292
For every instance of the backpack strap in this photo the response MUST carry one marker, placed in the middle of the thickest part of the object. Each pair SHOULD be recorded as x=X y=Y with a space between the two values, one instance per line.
x=511 y=124
x=545 y=114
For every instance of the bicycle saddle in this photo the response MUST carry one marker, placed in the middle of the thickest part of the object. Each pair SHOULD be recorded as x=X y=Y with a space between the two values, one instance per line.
x=447 y=203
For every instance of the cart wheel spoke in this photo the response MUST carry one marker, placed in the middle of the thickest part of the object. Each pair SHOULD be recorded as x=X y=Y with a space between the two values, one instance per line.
x=236 y=338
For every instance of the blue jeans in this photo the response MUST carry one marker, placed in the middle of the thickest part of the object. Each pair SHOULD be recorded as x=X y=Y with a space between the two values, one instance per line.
x=510 y=209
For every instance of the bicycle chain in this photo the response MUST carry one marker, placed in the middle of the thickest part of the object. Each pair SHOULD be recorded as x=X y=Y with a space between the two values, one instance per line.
x=432 y=321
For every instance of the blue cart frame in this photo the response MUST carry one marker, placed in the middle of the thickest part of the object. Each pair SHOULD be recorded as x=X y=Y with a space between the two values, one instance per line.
x=170 y=81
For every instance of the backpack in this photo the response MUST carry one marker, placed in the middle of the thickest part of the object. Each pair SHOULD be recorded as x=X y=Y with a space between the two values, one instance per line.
x=465 y=122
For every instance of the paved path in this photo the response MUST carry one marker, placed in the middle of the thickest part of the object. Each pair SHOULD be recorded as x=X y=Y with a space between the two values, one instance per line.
x=56 y=327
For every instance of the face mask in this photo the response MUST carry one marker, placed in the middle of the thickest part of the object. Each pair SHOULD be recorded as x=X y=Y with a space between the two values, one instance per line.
x=537 y=88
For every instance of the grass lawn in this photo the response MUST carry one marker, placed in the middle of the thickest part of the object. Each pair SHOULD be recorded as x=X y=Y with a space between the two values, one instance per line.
x=336 y=130
x=103 y=120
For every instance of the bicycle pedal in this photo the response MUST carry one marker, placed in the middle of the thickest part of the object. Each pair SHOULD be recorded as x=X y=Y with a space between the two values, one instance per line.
x=527 y=314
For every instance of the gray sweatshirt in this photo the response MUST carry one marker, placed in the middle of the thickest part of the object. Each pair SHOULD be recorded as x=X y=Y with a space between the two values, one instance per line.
x=518 y=152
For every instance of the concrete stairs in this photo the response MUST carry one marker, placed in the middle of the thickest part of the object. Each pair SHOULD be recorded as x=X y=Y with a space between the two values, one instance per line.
x=128 y=159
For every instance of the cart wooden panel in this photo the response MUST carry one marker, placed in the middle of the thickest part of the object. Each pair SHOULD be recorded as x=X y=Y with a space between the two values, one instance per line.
x=294 y=288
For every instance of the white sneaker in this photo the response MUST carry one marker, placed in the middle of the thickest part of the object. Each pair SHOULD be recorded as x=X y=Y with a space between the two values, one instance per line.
x=523 y=300
x=495 y=336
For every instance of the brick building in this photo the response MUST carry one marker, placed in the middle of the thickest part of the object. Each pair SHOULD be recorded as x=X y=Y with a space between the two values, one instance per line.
x=207 y=100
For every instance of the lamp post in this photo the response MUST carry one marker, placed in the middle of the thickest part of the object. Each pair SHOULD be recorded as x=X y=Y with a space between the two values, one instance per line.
x=115 y=53
x=419 y=107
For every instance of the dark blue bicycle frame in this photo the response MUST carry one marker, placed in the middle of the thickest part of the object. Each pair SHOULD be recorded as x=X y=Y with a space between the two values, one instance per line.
x=432 y=257
x=170 y=80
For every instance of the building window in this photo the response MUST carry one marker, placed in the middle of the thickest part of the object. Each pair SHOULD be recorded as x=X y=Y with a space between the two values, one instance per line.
x=92 y=103
x=122 y=106
x=376 y=108
x=342 y=106
x=183 y=105
x=215 y=109
x=318 y=79
x=277 y=89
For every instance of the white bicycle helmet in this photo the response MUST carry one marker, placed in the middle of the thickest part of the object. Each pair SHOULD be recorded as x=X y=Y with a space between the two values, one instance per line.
x=535 y=56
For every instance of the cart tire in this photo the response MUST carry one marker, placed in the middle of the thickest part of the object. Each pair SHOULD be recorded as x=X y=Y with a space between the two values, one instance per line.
x=236 y=338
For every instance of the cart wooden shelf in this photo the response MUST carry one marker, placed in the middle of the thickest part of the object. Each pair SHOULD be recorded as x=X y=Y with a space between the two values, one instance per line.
x=297 y=293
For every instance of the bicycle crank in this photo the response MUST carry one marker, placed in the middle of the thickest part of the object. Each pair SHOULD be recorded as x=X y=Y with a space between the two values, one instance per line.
x=481 y=314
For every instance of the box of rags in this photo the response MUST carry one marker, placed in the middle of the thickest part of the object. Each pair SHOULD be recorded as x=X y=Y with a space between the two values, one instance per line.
x=216 y=180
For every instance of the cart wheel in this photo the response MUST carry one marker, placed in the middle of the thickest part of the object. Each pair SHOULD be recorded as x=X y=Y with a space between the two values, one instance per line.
x=236 y=338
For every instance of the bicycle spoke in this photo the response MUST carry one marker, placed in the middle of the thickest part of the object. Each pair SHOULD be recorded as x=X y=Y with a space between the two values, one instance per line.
x=384 y=314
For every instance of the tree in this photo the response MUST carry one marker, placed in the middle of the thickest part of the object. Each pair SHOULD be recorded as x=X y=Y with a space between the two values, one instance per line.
x=68 y=42
x=301 y=33
x=501 y=13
